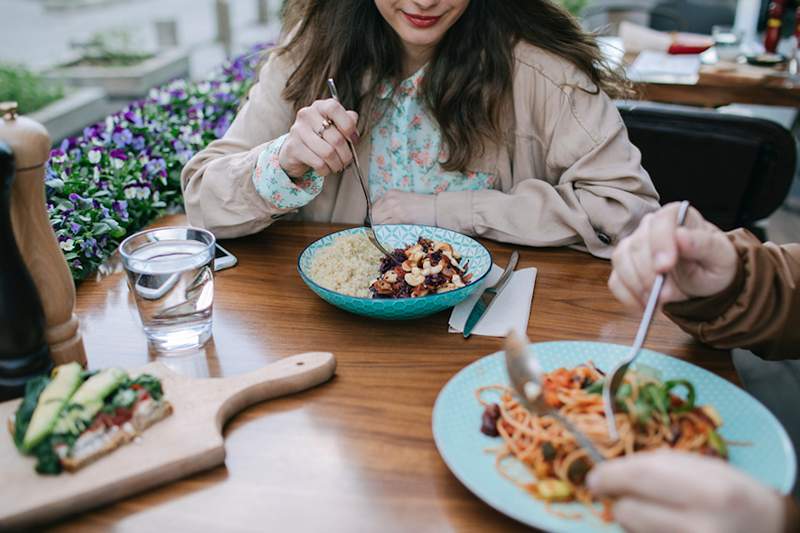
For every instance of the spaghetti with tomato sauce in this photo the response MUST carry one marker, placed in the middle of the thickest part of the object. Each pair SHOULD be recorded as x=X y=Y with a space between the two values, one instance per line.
x=651 y=414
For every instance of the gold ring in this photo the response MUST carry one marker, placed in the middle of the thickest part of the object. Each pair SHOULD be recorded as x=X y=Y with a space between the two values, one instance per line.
x=325 y=125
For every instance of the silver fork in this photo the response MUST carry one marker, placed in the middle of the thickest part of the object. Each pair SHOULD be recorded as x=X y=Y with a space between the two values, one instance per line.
x=526 y=376
x=368 y=219
x=614 y=378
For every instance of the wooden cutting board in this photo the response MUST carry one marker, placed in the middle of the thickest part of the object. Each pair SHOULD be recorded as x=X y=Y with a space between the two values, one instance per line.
x=188 y=441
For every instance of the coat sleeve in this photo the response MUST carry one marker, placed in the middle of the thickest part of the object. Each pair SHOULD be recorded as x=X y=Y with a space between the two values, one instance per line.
x=759 y=311
x=218 y=189
x=597 y=190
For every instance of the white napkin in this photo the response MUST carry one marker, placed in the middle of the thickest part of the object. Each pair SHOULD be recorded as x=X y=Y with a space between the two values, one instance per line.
x=511 y=308
x=660 y=66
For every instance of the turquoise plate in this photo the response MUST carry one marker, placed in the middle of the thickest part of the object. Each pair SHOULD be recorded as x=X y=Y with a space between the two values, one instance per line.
x=400 y=236
x=457 y=421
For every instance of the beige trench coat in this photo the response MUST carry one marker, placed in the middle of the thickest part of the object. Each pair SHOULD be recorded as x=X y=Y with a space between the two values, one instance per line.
x=567 y=173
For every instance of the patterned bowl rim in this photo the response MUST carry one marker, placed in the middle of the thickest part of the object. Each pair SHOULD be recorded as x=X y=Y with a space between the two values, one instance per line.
x=471 y=285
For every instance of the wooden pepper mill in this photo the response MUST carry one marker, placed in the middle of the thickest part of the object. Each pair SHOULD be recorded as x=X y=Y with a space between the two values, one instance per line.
x=24 y=353
x=35 y=238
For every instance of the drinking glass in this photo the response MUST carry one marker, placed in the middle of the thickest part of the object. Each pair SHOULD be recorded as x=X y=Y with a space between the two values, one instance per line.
x=170 y=273
x=727 y=42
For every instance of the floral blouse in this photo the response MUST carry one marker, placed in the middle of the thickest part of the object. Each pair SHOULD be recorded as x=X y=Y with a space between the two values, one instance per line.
x=406 y=150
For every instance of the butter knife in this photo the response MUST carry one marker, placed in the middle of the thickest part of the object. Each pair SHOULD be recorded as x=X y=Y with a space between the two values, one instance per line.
x=486 y=299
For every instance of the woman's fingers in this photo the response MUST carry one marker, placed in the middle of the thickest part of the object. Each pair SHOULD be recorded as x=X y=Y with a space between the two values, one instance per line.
x=303 y=153
x=314 y=142
x=345 y=121
x=332 y=136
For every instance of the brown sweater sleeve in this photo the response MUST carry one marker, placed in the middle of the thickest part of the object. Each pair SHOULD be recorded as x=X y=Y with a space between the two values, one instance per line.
x=760 y=310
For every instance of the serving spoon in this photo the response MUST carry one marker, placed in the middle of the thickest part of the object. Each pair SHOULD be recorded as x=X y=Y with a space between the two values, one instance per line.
x=614 y=379
x=368 y=219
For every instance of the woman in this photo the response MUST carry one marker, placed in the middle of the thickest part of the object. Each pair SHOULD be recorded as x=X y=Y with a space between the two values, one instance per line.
x=489 y=118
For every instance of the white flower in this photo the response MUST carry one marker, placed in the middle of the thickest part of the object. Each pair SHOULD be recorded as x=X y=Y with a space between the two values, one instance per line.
x=164 y=98
x=67 y=245
x=130 y=193
x=143 y=193
x=196 y=139
x=117 y=163
x=94 y=156
x=203 y=87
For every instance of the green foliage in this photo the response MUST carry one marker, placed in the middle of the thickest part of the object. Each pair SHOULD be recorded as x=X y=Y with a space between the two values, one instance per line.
x=574 y=6
x=30 y=91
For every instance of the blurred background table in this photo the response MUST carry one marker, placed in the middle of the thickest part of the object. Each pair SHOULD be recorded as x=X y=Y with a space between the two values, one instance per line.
x=356 y=454
x=724 y=84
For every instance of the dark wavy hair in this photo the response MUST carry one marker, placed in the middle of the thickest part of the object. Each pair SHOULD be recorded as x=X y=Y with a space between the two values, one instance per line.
x=469 y=79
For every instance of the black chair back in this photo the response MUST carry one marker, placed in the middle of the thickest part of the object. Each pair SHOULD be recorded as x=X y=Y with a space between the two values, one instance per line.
x=735 y=170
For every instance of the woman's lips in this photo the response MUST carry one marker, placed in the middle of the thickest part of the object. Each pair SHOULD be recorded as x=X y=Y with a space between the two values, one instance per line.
x=421 y=21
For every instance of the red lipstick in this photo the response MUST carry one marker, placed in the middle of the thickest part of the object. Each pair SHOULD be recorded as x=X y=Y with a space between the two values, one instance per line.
x=421 y=21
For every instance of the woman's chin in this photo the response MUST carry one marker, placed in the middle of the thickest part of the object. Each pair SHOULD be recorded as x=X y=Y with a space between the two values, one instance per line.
x=421 y=38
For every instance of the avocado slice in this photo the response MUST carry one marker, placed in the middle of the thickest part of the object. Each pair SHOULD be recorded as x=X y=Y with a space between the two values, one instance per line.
x=88 y=401
x=66 y=379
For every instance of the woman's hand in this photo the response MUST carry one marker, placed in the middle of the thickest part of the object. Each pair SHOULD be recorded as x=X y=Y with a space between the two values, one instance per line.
x=698 y=258
x=316 y=139
x=398 y=207
x=668 y=491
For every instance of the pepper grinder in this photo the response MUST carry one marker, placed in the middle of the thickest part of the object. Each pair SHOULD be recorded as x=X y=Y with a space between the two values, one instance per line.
x=35 y=239
x=23 y=348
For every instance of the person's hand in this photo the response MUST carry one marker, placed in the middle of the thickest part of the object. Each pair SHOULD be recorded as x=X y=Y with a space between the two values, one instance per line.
x=316 y=139
x=398 y=207
x=698 y=258
x=669 y=491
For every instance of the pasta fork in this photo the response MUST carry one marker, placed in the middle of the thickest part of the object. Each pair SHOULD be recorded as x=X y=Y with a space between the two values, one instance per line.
x=526 y=376
x=368 y=219
x=614 y=378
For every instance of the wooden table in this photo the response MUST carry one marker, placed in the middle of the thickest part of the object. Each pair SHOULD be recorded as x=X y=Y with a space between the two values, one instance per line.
x=725 y=84
x=355 y=454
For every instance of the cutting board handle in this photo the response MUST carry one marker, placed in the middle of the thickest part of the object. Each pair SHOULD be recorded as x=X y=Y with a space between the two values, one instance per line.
x=287 y=376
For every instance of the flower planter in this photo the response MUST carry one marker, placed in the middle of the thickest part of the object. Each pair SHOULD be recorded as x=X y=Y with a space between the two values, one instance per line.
x=127 y=82
x=72 y=113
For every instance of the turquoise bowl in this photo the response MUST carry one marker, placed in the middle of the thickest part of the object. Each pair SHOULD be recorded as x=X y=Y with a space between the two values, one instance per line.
x=399 y=236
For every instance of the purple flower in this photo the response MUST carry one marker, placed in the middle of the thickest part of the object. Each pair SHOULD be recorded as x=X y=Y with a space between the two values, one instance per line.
x=75 y=198
x=122 y=138
x=74 y=227
x=118 y=154
x=58 y=155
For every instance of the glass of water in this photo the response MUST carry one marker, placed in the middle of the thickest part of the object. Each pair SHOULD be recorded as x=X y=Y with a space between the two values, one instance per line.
x=727 y=42
x=171 y=276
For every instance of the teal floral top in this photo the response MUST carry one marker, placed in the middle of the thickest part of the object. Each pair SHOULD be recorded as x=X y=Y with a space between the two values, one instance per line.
x=406 y=152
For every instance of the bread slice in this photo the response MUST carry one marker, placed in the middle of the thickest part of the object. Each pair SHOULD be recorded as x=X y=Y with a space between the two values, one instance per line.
x=93 y=445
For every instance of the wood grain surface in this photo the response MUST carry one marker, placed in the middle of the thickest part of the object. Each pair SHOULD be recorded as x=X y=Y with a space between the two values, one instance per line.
x=357 y=454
